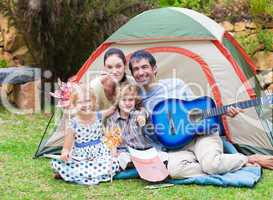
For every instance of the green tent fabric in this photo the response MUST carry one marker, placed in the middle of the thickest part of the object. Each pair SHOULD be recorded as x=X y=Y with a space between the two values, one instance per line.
x=240 y=59
x=158 y=27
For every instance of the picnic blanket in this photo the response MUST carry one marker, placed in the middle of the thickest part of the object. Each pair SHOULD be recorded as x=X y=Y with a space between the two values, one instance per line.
x=245 y=177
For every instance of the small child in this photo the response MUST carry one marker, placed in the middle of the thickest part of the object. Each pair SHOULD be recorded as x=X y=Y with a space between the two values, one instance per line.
x=130 y=119
x=85 y=159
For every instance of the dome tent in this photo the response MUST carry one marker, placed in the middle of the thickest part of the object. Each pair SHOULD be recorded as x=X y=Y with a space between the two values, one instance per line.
x=192 y=47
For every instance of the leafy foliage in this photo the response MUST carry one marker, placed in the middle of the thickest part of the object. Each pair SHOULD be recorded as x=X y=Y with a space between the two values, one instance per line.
x=3 y=63
x=232 y=10
x=262 y=11
x=250 y=44
x=62 y=34
x=266 y=37
x=198 y=5
x=263 y=40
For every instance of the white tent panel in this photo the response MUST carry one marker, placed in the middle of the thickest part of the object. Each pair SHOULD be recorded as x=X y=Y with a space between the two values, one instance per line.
x=173 y=65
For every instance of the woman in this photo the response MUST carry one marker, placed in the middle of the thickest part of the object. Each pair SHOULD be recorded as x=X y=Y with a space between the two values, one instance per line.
x=105 y=85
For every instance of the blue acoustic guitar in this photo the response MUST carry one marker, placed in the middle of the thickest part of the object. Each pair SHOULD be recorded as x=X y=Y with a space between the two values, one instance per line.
x=176 y=122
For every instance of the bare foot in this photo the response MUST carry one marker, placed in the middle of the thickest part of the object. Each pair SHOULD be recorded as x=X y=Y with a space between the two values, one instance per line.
x=57 y=176
x=264 y=161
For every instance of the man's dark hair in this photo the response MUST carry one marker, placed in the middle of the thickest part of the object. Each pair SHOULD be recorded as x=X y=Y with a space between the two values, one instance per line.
x=142 y=54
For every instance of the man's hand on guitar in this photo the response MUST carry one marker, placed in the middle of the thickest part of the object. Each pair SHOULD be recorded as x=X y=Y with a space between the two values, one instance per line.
x=233 y=111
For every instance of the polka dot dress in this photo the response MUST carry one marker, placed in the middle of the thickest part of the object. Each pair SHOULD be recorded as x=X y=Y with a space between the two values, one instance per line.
x=91 y=161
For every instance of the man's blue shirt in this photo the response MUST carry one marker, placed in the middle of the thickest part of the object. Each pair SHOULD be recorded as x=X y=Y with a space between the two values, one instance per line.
x=164 y=89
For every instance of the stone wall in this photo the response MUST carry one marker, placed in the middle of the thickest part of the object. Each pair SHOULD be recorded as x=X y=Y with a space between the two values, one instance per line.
x=12 y=46
x=263 y=59
x=15 y=52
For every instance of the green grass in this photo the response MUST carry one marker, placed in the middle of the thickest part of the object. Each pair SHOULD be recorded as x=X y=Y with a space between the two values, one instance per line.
x=22 y=177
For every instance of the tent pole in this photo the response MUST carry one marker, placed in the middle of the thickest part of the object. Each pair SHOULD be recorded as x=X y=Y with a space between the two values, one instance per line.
x=35 y=156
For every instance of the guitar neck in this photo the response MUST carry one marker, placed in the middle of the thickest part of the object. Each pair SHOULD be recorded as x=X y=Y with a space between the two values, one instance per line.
x=243 y=105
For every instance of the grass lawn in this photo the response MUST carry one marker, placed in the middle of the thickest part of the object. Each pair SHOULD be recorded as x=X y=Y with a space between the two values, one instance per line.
x=22 y=177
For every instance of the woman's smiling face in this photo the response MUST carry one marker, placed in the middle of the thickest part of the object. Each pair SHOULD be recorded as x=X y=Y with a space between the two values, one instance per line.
x=115 y=66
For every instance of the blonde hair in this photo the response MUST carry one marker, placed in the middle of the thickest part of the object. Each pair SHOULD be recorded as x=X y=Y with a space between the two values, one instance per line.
x=126 y=88
x=85 y=91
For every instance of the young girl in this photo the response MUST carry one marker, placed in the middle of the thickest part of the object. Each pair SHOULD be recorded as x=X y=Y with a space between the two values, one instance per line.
x=85 y=159
x=130 y=118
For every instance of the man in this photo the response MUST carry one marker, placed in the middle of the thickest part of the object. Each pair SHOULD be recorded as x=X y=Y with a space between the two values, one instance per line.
x=205 y=154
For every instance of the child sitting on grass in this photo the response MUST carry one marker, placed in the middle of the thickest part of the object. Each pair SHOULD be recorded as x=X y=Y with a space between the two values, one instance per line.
x=85 y=159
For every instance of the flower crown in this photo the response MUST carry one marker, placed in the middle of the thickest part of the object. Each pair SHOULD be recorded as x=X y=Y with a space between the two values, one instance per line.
x=63 y=94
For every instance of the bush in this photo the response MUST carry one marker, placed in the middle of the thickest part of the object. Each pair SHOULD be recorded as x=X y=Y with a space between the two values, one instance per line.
x=266 y=38
x=262 y=41
x=192 y=4
x=250 y=44
x=261 y=7
x=262 y=11
x=3 y=63
x=198 y=5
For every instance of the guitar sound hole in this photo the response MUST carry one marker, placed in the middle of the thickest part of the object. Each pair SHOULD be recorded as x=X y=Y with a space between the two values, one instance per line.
x=195 y=115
